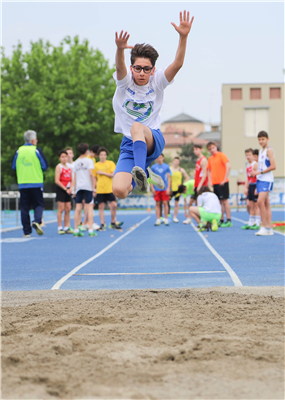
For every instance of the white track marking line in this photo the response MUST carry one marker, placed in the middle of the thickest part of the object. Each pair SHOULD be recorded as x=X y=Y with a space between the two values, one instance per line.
x=151 y=273
x=241 y=220
x=230 y=271
x=58 y=284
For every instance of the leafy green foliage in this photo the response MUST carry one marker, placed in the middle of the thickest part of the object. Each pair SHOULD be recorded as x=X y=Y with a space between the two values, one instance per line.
x=64 y=93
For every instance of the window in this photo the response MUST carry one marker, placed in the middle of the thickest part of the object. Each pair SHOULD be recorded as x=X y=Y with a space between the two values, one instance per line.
x=236 y=94
x=275 y=93
x=255 y=120
x=255 y=93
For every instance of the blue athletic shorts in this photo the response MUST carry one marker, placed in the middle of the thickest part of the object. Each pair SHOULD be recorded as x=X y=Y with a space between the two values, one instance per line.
x=126 y=160
x=86 y=195
x=263 y=186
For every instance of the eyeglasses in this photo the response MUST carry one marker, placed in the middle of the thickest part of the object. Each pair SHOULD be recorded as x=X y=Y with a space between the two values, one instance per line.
x=138 y=68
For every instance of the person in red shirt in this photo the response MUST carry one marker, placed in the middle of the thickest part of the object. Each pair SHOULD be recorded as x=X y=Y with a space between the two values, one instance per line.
x=250 y=189
x=218 y=176
x=64 y=185
x=201 y=173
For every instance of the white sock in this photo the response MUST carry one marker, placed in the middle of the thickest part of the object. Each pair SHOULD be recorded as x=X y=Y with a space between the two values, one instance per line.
x=66 y=227
x=90 y=230
x=76 y=230
x=258 y=220
x=59 y=228
x=251 y=220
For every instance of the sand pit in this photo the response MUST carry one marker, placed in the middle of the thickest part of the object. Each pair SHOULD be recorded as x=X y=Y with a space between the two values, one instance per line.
x=143 y=344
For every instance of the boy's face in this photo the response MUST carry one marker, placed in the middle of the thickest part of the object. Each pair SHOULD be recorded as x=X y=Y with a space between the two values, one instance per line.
x=102 y=156
x=70 y=154
x=63 y=158
x=92 y=154
x=255 y=157
x=249 y=156
x=197 y=151
x=141 y=78
x=175 y=163
x=263 y=141
x=212 y=149
x=160 y=159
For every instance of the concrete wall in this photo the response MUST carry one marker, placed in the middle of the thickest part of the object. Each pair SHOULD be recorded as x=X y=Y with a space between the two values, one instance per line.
x=233 y=139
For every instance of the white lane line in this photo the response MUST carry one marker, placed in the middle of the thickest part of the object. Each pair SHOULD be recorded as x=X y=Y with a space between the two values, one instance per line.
x=230 y=271
x=152 y=273
x=58 y=284
x=20 y=240
x=241 y=220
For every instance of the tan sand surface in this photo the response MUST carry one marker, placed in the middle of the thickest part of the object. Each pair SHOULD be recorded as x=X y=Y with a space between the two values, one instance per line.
x=218 y=343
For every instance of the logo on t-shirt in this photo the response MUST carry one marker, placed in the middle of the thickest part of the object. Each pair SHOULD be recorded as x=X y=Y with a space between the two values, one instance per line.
x=141 y=111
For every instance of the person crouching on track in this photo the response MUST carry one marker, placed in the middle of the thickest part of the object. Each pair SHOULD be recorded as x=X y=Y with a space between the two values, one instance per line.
x=64 y=186
x=208 y=209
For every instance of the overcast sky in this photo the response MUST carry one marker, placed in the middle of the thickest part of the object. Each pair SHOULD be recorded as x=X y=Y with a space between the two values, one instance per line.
x=229 y=42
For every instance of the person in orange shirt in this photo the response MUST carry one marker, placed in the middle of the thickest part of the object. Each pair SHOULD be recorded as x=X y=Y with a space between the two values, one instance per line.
x=218 y=175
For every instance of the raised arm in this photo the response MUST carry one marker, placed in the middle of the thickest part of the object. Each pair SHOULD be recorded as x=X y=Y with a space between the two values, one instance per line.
x=122 y=44
x=183 y=29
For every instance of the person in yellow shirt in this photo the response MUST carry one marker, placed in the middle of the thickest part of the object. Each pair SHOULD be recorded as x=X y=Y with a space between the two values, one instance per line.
x=104 y=172
x=176 y=180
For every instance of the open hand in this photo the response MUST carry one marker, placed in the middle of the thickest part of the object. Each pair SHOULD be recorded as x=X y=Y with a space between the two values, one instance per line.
x=122 y=40
x=185 y=26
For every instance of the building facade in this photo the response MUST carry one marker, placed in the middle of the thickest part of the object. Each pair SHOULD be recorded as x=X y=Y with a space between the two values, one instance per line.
x=246 y=110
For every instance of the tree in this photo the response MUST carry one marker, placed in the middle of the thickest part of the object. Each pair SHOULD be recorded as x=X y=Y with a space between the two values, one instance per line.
x=64 y=93
x=187 y=157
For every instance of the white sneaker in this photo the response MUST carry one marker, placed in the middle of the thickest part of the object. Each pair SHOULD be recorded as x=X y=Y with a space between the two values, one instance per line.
x=166 y=222
x=157 y=223
x=155 y=179
x=262 y=232
x=187 y=221
x=95 y=226
x=175 y=220
x=270 y=232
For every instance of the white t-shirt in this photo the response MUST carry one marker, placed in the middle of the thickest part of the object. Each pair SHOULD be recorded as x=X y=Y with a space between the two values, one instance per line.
x=133 y=103
x=83 y=180
x=210 y=202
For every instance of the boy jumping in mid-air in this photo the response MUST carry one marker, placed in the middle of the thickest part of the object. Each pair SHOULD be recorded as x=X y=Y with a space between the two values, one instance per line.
x=264 y=183
x=137 y=103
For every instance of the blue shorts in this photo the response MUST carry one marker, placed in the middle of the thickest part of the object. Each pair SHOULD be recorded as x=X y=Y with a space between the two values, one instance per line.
x=86 y=195
x=126 y=160
x=263 y=186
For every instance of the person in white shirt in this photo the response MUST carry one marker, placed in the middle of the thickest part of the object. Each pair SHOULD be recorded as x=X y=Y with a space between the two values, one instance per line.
x=264 y=183
x=84 y=183
x=137 y=103
x=208 y=209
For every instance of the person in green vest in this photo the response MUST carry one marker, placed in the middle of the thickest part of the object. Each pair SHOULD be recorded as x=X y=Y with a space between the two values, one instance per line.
x=187 y=189
x=30 y=164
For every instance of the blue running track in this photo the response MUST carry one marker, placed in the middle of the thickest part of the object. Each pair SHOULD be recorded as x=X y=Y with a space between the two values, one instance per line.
x=143 y=256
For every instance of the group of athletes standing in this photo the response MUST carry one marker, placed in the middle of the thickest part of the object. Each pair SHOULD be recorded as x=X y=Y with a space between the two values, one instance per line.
x=211 y=207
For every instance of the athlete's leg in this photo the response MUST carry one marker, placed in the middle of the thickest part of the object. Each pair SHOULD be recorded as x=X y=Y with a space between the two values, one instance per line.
x=268 y=211
x=122 y=184
x=165 y=205
x=67 y=208
x=227 y=208
x=142 y=133
x=195 y=214
x=60 y=209
x=113 y=209
x=89 y=208
x=101 y=208
x=262 y=197
x=176 y=208
x=77 y=215
x=157 y=209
